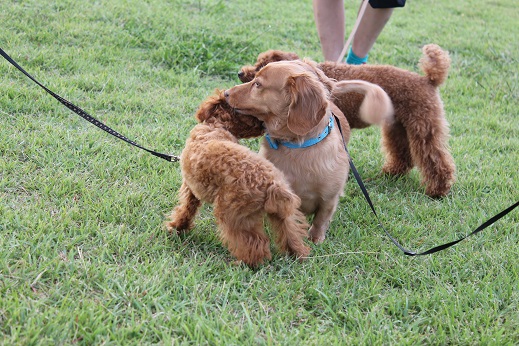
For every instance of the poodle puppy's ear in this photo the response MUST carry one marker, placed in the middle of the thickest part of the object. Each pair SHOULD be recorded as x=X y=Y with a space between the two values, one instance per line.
x=245 y=126
x=216 y=110
x=211 y=106
x=308 y=103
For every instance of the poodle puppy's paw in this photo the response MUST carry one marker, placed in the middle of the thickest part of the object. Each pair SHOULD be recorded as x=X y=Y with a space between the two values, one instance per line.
x=177 y=228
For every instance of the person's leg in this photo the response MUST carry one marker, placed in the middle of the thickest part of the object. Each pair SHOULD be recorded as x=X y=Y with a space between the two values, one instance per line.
x=329 y=20
x=370 y=27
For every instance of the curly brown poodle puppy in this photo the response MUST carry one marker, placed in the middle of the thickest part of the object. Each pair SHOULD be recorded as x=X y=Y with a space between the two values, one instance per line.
x=302 y=137
x=241 y=185
x=418 y=136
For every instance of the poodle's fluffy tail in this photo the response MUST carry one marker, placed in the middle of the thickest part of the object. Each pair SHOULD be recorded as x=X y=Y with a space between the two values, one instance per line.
x=288 y=222
x=376 y=108
x=435 y=63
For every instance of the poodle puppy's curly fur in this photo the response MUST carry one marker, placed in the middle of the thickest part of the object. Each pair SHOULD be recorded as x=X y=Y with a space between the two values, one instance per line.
x=242 y=186
x=418 y=136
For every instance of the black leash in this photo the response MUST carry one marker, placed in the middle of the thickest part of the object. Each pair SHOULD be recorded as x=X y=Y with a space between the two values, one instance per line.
x=86 y=116
x=403 y=249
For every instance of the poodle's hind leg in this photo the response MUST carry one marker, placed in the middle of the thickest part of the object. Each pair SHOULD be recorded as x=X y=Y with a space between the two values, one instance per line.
x=243 y=235
x=181 y=218
x=431 y=155
x=395 y=144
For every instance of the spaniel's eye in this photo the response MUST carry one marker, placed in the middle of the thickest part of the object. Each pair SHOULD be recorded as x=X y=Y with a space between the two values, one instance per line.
x=257 y=84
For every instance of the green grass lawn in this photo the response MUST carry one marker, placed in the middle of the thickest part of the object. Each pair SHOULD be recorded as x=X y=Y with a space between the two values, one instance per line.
x=84 y=258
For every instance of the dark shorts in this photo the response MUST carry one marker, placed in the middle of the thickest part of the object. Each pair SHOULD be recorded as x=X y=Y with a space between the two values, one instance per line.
x=386 y=3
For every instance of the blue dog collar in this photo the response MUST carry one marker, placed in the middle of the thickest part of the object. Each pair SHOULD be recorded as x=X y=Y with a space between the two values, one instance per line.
x=274 y=144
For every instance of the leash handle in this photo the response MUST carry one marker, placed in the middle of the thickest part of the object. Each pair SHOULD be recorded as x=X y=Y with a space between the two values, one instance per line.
x=86 y=116
x=403 y=249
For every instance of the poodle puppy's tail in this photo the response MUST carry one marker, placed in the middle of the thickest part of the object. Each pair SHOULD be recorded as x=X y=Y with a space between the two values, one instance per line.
x=435 y=63
x=376 y=108
x=288 y=222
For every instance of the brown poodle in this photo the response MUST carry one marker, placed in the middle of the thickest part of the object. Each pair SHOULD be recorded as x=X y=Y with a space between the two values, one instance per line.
x=303 y=139
x=419 y=134
x=241 y=185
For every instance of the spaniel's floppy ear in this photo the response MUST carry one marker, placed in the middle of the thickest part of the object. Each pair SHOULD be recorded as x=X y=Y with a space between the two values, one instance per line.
x=308 y=103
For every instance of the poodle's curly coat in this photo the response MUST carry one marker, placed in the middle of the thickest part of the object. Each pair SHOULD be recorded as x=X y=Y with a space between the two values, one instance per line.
x=419 y=134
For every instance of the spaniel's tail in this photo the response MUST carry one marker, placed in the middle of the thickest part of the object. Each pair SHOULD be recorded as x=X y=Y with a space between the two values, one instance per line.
x=376 y=108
